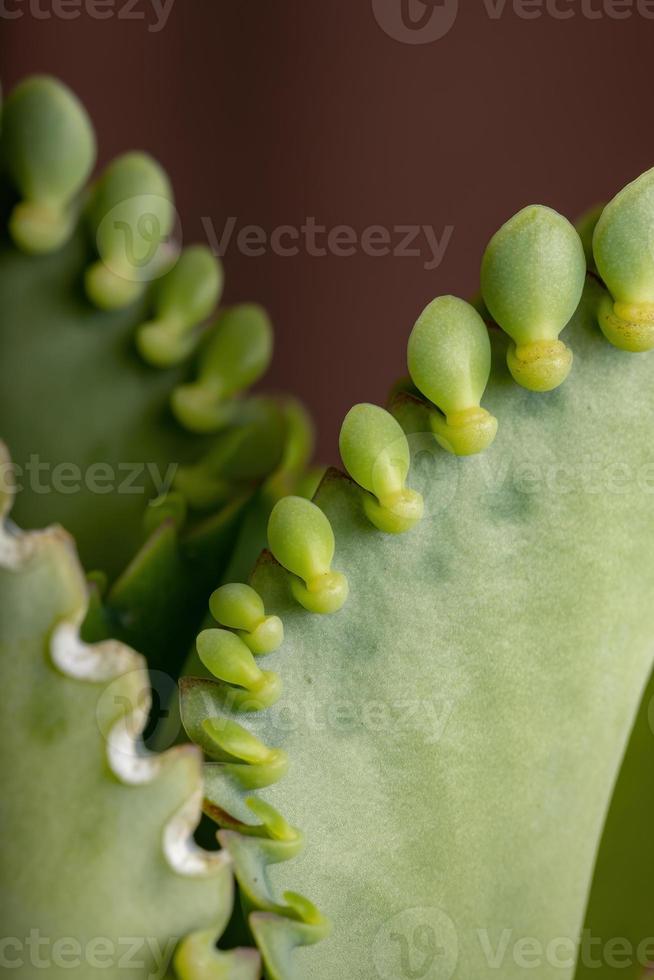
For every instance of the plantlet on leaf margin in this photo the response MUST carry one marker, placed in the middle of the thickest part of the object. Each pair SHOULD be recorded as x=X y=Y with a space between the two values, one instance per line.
x=48 y=149
x=532 y=277
x=238 y=606
x=241 y=762
x=302 y=540
x=130 y=212
x=230 y=660
x=449 y=360
x=623 y=247
x=375 y=452
x=236 y=354
x=182 y=298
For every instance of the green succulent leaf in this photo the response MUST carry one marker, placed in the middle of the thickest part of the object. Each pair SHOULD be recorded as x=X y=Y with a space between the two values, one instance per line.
x=503 y=642
x=87 y=422
x=96 y=844
x=619 y=927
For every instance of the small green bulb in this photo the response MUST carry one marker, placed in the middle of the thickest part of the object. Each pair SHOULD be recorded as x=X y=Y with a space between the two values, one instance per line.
x=231 y=738
x=230 y=660
x=241 y=608
x=375 y=452
x=131 y=215
x=623 y=246
x=236 y=354
x=48 y=149
x=301 y=539
x=532 y=276
x=275 y=825
x=449 y=361
x=183 y=298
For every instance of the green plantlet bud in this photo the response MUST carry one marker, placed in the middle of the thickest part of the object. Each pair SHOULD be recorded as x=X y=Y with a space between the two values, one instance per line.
x=306 y=911
x=623 y=246
x=241 y=608
x=48 y=148
x=183 y=298
x=301 y=539
x=310 y=926
x=230 y=660
x=449 y=361
x=375 y=452
x=235 y=740
x=532 y=277
x=236 y=354
x=131 y=215
x=275 y=825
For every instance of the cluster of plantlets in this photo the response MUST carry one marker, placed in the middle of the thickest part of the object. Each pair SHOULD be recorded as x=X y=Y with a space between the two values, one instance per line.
x=433 y=672
x=123 y=375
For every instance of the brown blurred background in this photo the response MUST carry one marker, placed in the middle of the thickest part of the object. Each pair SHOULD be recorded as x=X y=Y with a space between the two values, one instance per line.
x=270 y=112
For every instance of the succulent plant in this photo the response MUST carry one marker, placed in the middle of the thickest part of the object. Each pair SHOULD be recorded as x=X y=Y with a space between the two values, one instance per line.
x=124 y=403
x=426 y=707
